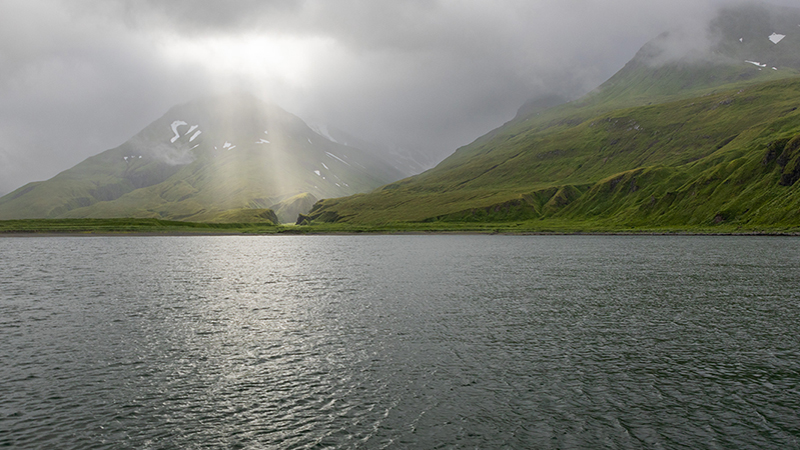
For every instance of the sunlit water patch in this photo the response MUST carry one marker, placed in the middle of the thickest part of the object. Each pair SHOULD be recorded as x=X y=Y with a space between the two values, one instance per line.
x=399 y=342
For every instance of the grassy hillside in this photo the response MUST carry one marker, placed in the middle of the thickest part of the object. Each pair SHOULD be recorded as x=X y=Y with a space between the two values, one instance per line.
x=681 y=136
x=729 y=157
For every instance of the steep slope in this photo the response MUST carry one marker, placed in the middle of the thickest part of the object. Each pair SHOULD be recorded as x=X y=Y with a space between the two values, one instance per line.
x=204 y=161
x=658 y=115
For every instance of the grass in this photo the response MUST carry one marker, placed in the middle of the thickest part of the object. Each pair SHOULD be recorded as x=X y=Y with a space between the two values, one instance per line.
x=132 y=227
x=126 y=226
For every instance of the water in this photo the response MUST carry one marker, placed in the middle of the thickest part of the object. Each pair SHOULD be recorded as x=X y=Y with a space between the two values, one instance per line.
x=400 y=342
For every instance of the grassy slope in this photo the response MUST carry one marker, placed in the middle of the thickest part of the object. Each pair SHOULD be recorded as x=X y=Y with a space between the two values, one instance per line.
x=694 y=161
x=205 y=189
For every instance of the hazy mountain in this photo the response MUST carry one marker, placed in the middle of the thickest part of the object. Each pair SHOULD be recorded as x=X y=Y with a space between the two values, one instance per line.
x=408 y=160
x=700 y=127
x=214 y=159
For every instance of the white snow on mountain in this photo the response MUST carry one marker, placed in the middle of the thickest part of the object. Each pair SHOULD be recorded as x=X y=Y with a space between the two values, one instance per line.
x=336 y=157
x=756 y=63
x=196 y=133
x=262 y=141
x=194 y=127
x=174 y=127
x=775 y=37
x=317 y=172
x=322 y=130
x=323 y=165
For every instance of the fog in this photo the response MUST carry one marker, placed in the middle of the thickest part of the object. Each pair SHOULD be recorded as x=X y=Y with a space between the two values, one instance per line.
x=82 y=76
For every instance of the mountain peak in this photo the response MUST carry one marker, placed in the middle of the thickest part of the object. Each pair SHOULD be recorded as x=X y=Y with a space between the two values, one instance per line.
x=205 y=160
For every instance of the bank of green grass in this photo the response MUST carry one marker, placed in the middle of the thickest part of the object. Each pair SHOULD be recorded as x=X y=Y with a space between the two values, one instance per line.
x=126 y=226
x=156 y=227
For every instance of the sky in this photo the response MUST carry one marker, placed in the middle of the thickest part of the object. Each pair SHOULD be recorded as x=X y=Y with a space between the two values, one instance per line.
x=78 y=77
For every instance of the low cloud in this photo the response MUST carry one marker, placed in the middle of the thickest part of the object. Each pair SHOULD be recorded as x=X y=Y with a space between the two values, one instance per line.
x=78 y=77
x=174 y=155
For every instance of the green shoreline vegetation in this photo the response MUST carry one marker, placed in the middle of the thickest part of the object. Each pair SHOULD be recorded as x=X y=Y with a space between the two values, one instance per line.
x=137 y=227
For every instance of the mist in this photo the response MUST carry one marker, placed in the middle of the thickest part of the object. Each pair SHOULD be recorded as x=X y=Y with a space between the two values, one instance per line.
x=80 y=77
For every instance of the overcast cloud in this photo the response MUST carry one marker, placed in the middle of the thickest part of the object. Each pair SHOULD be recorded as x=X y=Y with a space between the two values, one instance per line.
x=79 y=77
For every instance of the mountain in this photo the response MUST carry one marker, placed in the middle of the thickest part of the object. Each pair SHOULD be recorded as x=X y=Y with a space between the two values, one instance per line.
x=698 y=128
x=408 y=160
x=228 y=158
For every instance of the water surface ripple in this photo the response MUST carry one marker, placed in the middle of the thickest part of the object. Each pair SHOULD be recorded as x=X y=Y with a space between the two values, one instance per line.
x=550 y=342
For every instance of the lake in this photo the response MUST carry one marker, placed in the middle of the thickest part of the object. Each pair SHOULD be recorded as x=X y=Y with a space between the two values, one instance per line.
x=441 y=341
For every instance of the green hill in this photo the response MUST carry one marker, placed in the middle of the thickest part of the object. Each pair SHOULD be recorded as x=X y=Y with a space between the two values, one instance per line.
x=707 y=138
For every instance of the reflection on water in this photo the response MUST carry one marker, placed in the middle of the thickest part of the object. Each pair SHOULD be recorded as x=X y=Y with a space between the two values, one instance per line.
x=399 y=342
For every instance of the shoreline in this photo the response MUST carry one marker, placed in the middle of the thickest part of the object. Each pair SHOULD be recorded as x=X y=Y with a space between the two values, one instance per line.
x=128 y=227
x=90 y=234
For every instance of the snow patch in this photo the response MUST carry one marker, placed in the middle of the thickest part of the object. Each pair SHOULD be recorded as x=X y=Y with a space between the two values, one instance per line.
x=317 y=172
x=323 y=165
x=775 y=37
x=322 y=130
x=756 y=63
x=140 y=156
x=196 y=133
x=174 y=127
x=193 y=127
x=227 y=145
x=336 y=157
x=741 y=39
x=266 y=131
x=262 y=141
x=309 y=141
x=774 y=68
x=125 y=158
x=195 y=146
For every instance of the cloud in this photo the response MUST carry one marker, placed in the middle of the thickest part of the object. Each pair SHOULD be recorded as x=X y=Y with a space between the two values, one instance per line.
x=78 y=77
x=170 y=154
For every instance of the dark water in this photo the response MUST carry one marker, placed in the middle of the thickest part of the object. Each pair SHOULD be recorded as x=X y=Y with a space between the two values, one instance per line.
x=400 y=342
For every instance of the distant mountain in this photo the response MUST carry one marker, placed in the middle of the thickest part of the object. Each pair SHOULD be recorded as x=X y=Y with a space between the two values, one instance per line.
x=226 y=158
x=699 y=128
x=409 y=161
